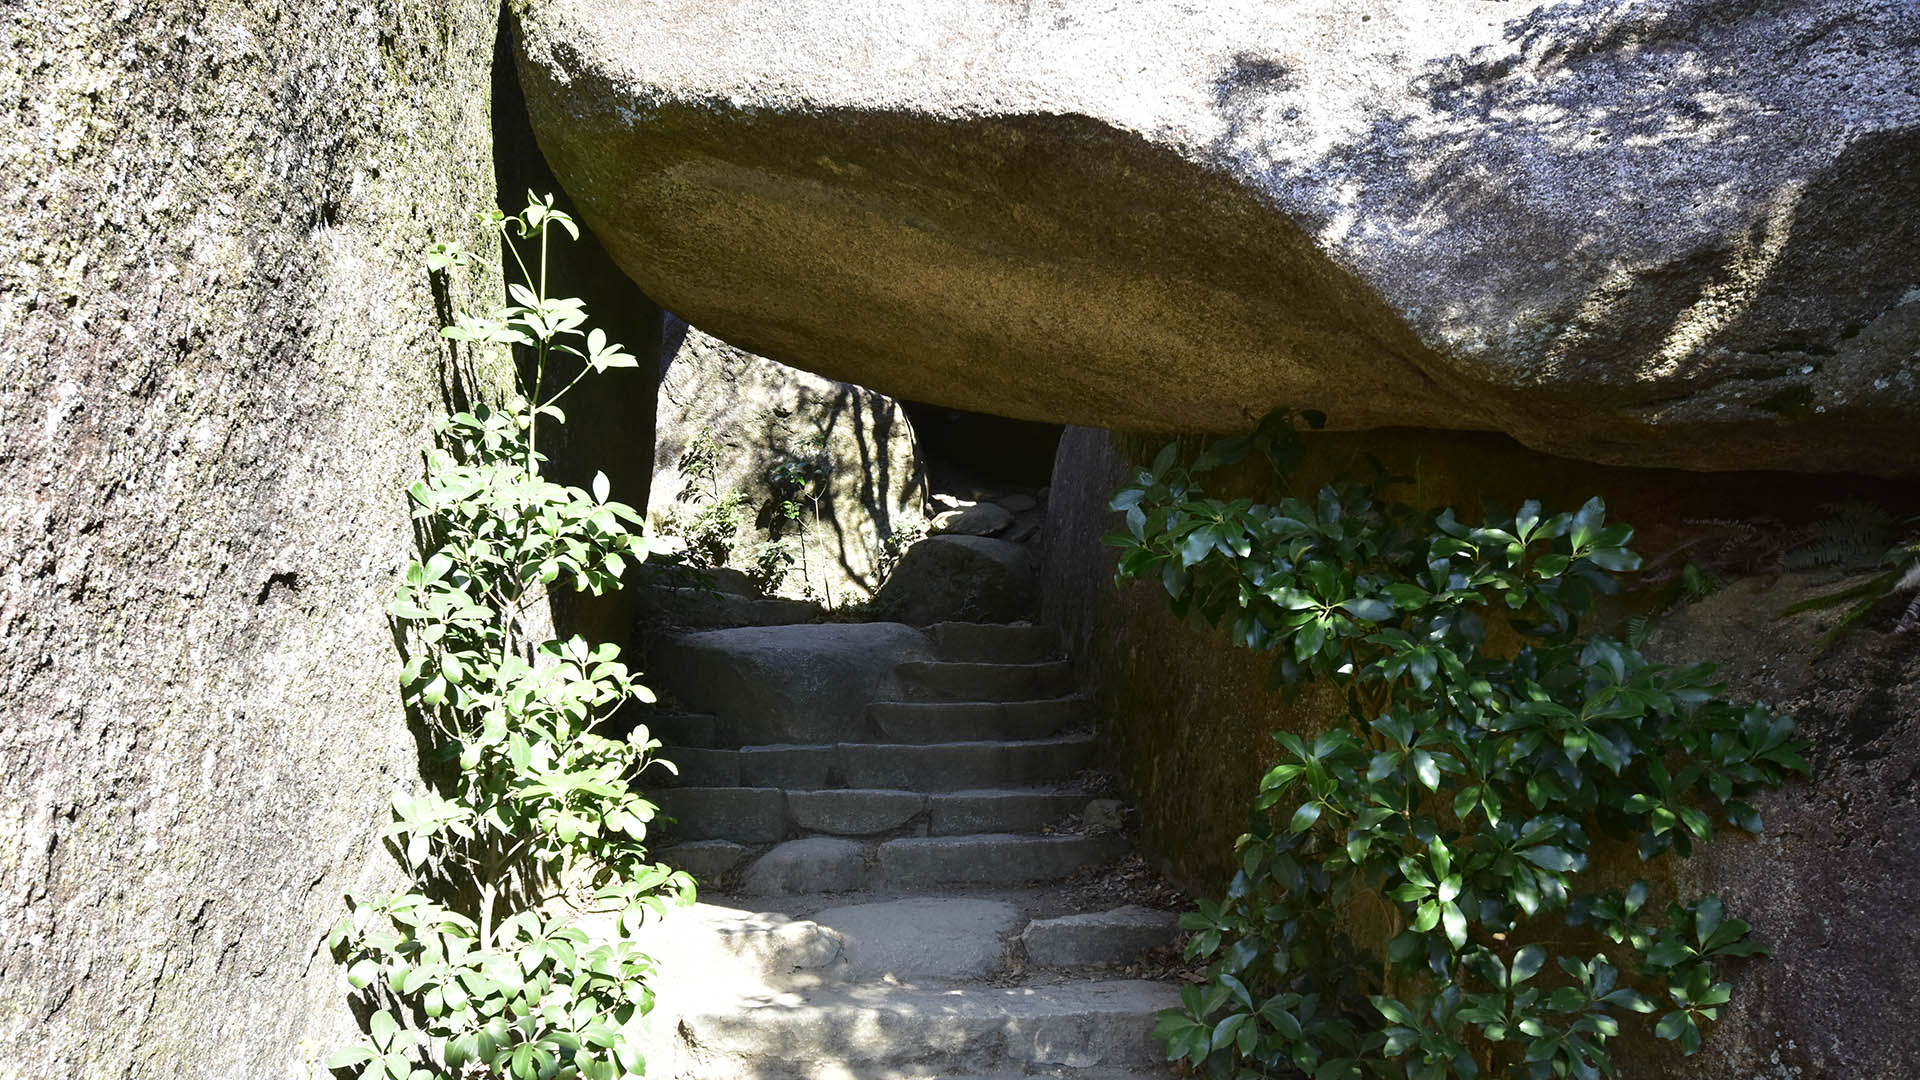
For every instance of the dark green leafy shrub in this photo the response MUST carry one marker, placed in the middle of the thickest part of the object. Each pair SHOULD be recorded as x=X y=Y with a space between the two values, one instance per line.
x=771 y=561
x=1408 y=874
x=713 y=529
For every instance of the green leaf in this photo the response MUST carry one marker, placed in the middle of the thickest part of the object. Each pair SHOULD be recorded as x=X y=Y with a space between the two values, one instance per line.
x=1369 y=610
x=1619 y=560
x=362 y=973
x=1407 y=597
x=1548 y=857
x=1304 y=817
x=1528 y=962
x=349 y=1056
x=1227 y=1030
x=1164 y=460
x=1427 y=769
x=1587 y=522
x=381 y=1027
x=1427 y=917
x=1707 y=915
x=1393 y=1010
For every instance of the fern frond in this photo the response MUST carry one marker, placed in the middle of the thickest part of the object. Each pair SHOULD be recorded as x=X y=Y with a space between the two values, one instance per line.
x=1852 y=616
x=1872 y=589
x=1851 y=535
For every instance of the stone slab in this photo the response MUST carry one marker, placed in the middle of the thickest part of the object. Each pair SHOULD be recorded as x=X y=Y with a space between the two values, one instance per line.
x=695 y=767
x=955 y=721
x=1005 y=643
x=947 y=680
x=995 y=859
x=924 y=937
x=744 y=814
x=963 y=1029
x=813 y=864
x=1672 y=233
x=1098 y=938
x=960 y=813
x=792 y=767
x=954 y=766
x=706 y=860
x=854 y=812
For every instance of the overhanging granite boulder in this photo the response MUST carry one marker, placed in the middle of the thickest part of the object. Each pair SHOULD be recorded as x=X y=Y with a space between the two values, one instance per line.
x=1674 y=232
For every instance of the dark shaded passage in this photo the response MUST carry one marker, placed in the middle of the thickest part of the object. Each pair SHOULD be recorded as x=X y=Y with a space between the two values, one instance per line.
x=610 y=427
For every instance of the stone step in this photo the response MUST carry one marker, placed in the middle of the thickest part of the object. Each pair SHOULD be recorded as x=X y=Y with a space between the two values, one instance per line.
x=999 y=643
x=925 y=937
x=854 y=811
x=718 y=949
x=758 y=815
x=698 y=730
x=1054 y=1072
x=943 y=766
x=947 y=721
x=990 y=859
x=693 y=766
x=886 y=721
x=958 y=766
x=906 y=939
x=708 y=861
x=946 y=680
x=704 y=609
x=830 y=1032
x=1098 y=938
x=813 y=864
x=999 y=810
x=745 y=815
x=830 y=864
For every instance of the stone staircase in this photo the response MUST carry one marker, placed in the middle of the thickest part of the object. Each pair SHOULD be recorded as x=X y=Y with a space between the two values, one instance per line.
x=886 y=898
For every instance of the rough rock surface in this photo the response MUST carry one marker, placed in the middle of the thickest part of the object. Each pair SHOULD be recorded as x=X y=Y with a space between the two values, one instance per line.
x=810 y=864
x=217 y=361
x=1669 y=232
x=1827 y=881
x=727 y=418
x=972 y=519
x=1187 y=720
x=1099 y=937
x=959 y=578
x=924 y=936
x=786 y=684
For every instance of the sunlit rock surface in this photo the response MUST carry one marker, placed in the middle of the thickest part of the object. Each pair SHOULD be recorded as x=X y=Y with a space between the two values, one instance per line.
x=829 y=471
x=1669 y=232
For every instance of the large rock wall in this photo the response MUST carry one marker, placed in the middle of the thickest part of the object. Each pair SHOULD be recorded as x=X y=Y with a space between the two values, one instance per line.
x=217 y=360
x=1185 y=721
